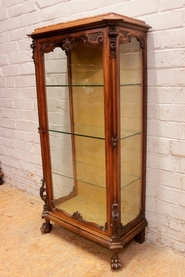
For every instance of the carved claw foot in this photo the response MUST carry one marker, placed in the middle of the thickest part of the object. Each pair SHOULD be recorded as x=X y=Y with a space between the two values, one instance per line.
x=46 y=227
x=115 y=262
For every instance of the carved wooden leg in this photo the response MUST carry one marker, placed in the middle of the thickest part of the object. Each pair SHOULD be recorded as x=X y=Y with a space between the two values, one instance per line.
x=115 y=261
x=46 y=227
x=140 y=238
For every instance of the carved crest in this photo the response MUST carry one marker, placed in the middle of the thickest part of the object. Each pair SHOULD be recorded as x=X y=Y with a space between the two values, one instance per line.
x=77 y=216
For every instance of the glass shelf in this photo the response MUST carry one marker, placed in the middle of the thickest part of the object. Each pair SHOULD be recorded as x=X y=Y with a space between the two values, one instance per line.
x=88 y=130
x=76 y=85
x=67 y=173
x=89 y=85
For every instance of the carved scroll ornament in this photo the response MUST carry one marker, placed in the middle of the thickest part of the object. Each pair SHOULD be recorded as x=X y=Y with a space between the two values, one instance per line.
x=125 y=37
x=95 y=38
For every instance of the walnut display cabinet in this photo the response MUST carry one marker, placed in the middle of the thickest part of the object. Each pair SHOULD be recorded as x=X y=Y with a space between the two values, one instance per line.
x=91 y=91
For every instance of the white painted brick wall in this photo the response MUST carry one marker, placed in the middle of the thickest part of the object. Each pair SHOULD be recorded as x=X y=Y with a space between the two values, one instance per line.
x=19 y=141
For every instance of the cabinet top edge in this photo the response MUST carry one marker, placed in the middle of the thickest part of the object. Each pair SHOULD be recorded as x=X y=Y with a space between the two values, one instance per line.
x=94 y=21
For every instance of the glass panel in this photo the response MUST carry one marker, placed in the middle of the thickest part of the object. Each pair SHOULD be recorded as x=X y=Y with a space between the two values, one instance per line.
x=75 y=97
x=131 y=129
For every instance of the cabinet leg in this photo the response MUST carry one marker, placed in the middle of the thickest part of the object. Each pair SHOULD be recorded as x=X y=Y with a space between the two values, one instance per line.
x=115 y=261
x=46 y=227
x=140 y=238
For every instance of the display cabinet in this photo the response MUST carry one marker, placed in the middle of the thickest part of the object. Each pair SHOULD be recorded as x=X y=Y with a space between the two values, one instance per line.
x=91 y=91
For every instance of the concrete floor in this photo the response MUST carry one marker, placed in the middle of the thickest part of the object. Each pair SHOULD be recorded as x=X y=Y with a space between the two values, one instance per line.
x=25 y=252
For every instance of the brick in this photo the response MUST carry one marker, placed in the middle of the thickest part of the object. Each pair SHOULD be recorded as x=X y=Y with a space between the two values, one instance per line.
x=53 y=12
x=9 y=113
x=10 y=70
x=9 y=82
x=85 y=8
x=7 y=103
x=155 y=41
x=178 y=148
x=140 y=8
x=10 y=3
x=9 y=94
x=166 y=178
x=175 y=235
x=21 y=103
x=165 y=162
x=18 y=9
x=29 y=19
x=20 y=57
x=5 y=38
x=10 y=47
x=4 y=59
x=174 y=38
x=26 y=125
x=42 y=3
x=159 y=145
x=3 y=14
x=32 y=137
x=182 y=198
x=152 y=112
x=8 y=123
x=170 y=5
x=166 y=58
x=152 y=237
x=105 y=3
x=25 y=81
x=177 y=225
x=162 y=220
x=28 y=115
x=166 y=77
x=179 y=246
x=167 y=20
x=19 y=34
x=171 y=112
x=9 y=24
x=28 y=93
x=166 y=95
x=27 y=68
x=151 y=217
x=168 y=195
x=151 y=190
x=150 y=204
x=166 y=242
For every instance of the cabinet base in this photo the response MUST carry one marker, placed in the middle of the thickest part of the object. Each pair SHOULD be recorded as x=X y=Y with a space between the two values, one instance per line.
x=140 y=238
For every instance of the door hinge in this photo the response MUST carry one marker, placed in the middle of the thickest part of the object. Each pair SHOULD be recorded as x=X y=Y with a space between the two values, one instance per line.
x=40 y=130
x=114 y=141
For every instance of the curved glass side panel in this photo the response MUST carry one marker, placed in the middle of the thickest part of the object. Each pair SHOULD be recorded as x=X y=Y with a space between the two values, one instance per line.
x=131 y=129
x=75 y=100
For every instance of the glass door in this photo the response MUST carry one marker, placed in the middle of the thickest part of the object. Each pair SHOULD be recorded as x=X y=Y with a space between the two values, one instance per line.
x=75 y=100
x=131 y=129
